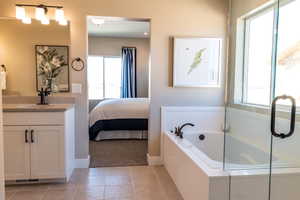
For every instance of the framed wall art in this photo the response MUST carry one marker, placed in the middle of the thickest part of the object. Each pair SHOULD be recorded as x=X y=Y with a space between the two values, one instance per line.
x=196 y=62
x=52 y=67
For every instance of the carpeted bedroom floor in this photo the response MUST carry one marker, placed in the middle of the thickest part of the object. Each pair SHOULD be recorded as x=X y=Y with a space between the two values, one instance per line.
x=113 y=153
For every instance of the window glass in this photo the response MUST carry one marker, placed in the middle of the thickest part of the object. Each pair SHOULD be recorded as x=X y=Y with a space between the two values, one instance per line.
x=95 y=77
x=104 y=77
x=112 y=77
x=288 y=57
x=257 y=58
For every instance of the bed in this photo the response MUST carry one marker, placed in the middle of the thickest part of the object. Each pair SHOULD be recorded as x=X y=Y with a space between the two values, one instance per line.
x=125 y=118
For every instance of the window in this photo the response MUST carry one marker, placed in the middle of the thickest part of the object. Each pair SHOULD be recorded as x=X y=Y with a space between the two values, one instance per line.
x=263 y=79
x=104 y=77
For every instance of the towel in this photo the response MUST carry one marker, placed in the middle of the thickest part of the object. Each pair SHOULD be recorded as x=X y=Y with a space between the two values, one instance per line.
x=3 y=80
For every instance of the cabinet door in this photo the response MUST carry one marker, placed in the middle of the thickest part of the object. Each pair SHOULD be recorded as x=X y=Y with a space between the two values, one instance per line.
x=47 y=152
x=16 y=153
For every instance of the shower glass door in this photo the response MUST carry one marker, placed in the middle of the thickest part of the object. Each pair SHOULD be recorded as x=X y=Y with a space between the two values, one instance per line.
x=261 y=134
x=285 y=129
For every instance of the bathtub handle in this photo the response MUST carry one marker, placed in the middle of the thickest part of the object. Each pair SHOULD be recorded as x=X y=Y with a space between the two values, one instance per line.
x=292 y=120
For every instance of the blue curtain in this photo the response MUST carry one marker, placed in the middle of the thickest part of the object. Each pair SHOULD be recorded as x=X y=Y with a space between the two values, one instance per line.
x=128 y=72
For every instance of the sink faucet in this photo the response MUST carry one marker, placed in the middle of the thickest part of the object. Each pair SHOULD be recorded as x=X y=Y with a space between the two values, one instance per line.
x=178 y=130
x=43 y=93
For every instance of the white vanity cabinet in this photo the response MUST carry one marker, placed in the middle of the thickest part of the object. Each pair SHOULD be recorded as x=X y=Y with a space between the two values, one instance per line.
x=38 y=145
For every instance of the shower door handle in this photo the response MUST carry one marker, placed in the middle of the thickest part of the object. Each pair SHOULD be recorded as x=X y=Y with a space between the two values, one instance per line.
x=292 y=120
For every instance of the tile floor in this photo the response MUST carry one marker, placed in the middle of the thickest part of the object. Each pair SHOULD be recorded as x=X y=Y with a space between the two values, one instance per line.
x=115 y=183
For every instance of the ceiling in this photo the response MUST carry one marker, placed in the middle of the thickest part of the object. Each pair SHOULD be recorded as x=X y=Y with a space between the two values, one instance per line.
x=118 y=27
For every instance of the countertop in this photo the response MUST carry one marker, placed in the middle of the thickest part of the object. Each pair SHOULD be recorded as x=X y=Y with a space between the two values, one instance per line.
x=36 y=108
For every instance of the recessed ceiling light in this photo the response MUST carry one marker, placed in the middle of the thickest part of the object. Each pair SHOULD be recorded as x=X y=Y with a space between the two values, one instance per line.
x=97 y=21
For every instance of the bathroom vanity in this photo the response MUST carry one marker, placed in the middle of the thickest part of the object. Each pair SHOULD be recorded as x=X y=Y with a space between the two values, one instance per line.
x=38 y=142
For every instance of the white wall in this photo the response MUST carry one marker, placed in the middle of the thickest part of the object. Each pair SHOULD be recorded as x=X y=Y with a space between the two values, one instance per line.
x=105 y=46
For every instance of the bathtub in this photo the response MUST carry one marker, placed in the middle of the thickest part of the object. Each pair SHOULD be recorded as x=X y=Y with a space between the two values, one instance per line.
x=197 y=168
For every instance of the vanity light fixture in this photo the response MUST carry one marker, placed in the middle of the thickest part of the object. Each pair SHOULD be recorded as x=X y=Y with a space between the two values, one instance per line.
x=45 y=20
x=41 y=13
x=20 y=12
x=63 y=22
x=26 y=20
x=59 y=14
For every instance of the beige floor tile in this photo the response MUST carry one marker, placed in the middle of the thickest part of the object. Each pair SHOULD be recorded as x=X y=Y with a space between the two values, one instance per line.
x=9 y=195
x=29 y=195
x=119 y=183
x=96 y=172
x=117 y=171
x=62 y=186
x=166 y=181
x=144 y=179
x=138 y=170
x=93 y=192
x=117 y=180
x=59 y=195
x=90 y=181
x=118 y=192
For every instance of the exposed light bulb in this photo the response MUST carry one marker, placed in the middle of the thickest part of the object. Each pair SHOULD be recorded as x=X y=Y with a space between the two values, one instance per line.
x=26 y=20
x=59 y=14
x=63 y=22
x=20 y=12
x=97 y=21
x=45 y=21
x=39 y=13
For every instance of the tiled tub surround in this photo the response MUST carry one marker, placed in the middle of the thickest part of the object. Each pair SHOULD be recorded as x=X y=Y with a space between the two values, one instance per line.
x=197 y=166
x=120 y=183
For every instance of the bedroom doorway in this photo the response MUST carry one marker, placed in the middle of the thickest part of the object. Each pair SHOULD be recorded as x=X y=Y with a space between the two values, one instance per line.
x=118 y=74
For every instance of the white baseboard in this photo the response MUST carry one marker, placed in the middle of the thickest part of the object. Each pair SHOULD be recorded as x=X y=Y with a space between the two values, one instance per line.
x=82 y=163
x=154 y=160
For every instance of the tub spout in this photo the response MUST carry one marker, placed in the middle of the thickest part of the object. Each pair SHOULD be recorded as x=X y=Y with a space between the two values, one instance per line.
x=180 y=133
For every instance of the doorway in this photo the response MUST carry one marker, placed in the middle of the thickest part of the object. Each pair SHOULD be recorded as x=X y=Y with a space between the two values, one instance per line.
x=118 y=78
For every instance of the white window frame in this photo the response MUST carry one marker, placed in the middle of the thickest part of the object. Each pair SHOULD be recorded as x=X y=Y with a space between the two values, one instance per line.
x=241 y=67
x=103 y=78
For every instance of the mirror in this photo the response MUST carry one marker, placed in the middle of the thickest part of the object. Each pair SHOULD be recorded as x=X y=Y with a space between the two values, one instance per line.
x=25 y=50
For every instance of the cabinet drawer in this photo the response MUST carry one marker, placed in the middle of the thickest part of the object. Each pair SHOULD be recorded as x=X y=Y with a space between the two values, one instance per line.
x=33 y=118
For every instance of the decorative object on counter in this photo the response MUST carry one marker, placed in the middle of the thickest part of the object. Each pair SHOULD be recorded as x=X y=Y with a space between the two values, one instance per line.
x=196 y=62
x=52 y=63
x=41 y=12
x=43 y=93
x=3 y=77
x=77 y=64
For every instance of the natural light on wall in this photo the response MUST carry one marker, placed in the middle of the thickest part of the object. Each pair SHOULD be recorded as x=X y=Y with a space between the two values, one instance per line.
x=259 y=84
x=104 y=77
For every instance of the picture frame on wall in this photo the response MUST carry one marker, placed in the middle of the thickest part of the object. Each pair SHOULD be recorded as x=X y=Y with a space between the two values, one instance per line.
x=52 y=68
x=196 y=62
